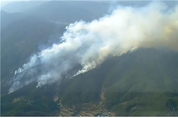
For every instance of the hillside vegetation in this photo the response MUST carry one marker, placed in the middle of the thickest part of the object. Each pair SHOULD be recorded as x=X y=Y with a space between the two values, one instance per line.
x=143 y=82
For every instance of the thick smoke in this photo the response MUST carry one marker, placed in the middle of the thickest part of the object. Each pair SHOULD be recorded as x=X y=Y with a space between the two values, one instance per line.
x=87 y=44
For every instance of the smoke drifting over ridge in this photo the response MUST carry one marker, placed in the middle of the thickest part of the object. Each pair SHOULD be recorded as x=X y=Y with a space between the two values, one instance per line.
x=89 y=43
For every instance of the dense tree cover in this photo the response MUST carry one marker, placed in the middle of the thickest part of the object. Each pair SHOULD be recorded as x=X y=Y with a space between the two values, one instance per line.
x=30 y=101
x=136 y=83
x=144 y=81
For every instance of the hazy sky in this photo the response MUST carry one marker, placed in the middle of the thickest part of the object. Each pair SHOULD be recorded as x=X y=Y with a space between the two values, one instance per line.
x=4 y=2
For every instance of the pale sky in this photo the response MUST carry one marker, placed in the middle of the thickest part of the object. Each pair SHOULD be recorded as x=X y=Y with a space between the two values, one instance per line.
x=4 y=2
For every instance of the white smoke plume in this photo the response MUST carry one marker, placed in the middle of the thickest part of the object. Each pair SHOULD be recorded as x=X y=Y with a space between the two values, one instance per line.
x=88 y=44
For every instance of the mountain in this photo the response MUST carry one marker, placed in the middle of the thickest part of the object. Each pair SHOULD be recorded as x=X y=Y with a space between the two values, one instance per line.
x=21 y=39
x=70 y=11
x=32 y=31
x=8 y=18
x=139 y=83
